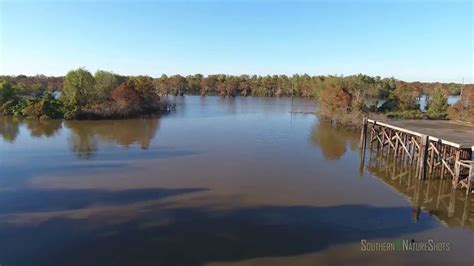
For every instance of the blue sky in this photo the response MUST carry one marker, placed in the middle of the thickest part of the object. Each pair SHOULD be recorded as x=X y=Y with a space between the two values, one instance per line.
x=410 y=40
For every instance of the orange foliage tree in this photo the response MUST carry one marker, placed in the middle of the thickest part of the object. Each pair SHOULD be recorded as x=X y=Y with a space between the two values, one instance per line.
x=126 y=97
x=335 y=100
x=464 y=108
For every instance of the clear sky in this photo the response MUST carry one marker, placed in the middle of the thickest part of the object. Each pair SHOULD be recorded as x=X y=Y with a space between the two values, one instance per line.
x=410 y=40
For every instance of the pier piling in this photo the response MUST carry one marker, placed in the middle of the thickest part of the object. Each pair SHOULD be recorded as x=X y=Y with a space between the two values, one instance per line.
x=363 y=134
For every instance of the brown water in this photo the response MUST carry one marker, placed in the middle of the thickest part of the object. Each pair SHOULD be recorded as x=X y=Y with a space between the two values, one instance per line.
x=239 y=181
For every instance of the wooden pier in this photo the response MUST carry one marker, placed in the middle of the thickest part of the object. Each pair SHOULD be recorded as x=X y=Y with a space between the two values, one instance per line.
x=438 y=149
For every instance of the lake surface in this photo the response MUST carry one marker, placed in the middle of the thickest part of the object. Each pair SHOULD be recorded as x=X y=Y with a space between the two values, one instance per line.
x=422 y=101
x=243 y=181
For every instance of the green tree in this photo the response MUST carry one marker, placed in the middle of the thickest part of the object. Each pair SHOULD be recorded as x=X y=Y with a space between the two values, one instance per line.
x=161 y=84
x=105 y=83
x=145 y=87
x=208 y=84
x=454 y=89
x=78 y=87
x=193 y=82
x=7 y=92
x=437 y=104
x=177 y=84
x=405 y=98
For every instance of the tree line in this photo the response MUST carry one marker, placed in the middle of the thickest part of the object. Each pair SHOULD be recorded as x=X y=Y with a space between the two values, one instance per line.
x=346 y=103
x=232 y=85
x=106 y=94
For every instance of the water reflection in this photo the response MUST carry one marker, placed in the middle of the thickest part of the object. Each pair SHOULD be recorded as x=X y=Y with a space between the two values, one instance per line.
x=449 y=205
x=332 y=139
x=9 y=128
x=435 y=196
x=85 y=135
x=83 y=142
x=43 y=128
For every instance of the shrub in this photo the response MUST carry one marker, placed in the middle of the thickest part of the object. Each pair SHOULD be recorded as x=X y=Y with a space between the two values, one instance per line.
x=51 y=107
x=406 y=114
x=13 y=107
x=33 y=109
x=70 y=108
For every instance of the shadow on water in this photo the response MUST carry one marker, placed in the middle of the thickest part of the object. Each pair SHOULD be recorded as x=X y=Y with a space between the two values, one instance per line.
x=333 y=140
x=113 y=161
x=196 y=236
x=37 y=200
x=436 y=196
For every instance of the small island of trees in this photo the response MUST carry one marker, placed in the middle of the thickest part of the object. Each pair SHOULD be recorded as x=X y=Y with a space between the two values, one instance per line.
x=83 y=96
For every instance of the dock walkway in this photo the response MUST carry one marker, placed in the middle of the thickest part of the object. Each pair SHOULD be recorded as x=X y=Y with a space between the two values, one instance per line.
x=438 y=148
x=459 y=133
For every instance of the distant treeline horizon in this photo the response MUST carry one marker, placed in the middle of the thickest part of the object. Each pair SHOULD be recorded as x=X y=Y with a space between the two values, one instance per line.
x=104 y=94
x=257 y=85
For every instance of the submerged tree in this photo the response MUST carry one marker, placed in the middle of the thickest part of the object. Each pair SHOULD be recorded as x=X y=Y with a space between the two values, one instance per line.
x=177 y=84
x=335 y=100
